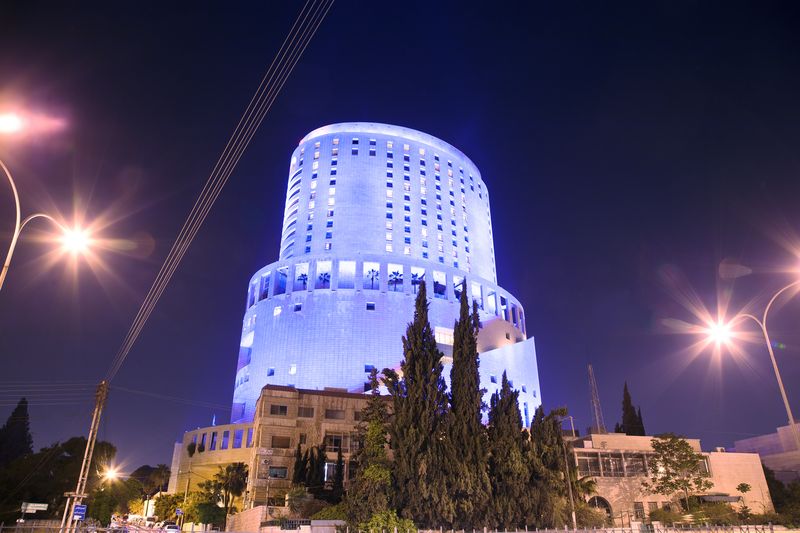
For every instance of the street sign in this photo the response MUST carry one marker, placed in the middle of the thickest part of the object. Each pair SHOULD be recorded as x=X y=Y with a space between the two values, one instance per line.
x=79 y=512
x=33 y=507
x=179 y=512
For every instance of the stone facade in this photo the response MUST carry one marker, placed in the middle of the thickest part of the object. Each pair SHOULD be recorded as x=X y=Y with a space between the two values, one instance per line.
x=619 y=465
x=778 y=452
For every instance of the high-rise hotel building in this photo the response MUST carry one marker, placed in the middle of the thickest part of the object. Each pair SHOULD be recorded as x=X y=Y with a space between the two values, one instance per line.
x=373 y=211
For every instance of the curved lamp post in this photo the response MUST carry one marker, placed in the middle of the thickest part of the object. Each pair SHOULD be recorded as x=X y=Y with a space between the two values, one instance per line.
x=75 y=240
x=721 y=333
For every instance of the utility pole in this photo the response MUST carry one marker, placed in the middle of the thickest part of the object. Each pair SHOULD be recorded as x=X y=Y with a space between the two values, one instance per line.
x=76 y=498
x=569 y=486
x=597 y=411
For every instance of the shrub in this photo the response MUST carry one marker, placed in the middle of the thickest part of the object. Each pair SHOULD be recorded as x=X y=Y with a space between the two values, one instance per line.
x=665 y=517
x=333 y=512
x=717 y=513
x=388 y=521
x=589 y=517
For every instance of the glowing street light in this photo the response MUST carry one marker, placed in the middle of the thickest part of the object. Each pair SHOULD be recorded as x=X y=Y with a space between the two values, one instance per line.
x=10 y=123
x=111 y=474
x=73 y=240
x=723 y=333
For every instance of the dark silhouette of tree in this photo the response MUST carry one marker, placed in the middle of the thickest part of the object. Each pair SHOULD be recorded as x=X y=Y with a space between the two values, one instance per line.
x=469 y=482
x=191 y=448
x=15 y=435
x=228 y=483
x=416 y=279
x=303 y=278
x=300 y=467
x=631 y=419
x=395 y=279
x=373 y=275
x=325 y=280
x=338 y=479
x=418 y=428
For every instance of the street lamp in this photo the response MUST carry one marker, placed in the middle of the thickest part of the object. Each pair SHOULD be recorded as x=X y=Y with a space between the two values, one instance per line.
x=73 y=240
x=722 y=333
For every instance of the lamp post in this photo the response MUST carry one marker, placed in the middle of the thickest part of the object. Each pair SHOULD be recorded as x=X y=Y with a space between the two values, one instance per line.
x=722 y=332
x=73 y=239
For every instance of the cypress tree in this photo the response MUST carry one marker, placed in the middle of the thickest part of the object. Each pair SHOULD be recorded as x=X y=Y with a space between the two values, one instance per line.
x=469 y=477
x=640 y=425
x=418 y=429
x=338 y=479
x=630 y=421
x=300 y=467
x=15 y=435
x=508 y=468
x=548 y=505
x=369 y=491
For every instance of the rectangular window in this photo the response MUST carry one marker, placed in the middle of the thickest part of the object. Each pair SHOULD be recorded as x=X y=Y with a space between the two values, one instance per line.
x=370 y=306
x=278 y=472
x=226 y=437
x=334 y=414
x=347 y=274
x=250 y=437
x=278 y=410
x=237 y=438
x=303 y=438
x=638 y=510
x=271 y=371
x=213 y=445
x=371 y=276
x=300 y=277
x=396 y=277
x=305 y=412
x=279 y=441
x=298 y=307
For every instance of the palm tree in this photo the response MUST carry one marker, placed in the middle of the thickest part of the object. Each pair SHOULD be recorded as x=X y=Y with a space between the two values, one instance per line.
x=160 y=477
x=438 y=288
x=416 y=279
x=373 y=275
x=395 y=278
x=233 y=481
x=303 y=278
x=325 y=280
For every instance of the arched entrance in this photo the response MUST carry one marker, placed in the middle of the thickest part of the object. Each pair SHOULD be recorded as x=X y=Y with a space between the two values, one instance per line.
x=600 y=503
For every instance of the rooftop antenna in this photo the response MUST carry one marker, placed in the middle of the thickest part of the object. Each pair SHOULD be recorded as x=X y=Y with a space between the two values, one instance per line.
x=597 y=411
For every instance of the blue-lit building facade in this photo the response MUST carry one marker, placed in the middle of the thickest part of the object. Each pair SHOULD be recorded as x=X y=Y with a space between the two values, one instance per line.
x=372 y=211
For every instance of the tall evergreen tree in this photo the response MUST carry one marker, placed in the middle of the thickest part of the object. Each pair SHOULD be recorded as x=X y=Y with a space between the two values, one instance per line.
x=549 y=470
x=508 y=468
x=418 y=429
x=15 y=435
x=300 y=466
x=631 y=420
x=469 y=477
x=338 y=478
x=641 y=422
x=368 y=493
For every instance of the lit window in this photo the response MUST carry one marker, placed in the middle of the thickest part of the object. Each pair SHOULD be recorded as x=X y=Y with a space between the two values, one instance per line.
x=389 y=236
x=389 y=247
x=331 y=201
x=331 y=191
x=389 y=193
x=276 y=311
x=313 y=184
x=328 y=246
x=389 y=144
x=311 y=204
x=335 y=151
x=316 y=154
x=292 y=369
x=330 y=212
x=315 y=165
x=336 y=141
x=389 y=225
x=407 y=250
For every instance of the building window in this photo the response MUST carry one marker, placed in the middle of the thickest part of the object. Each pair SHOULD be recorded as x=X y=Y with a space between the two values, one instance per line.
x=638 y=510
x=279 y=441
x=493 y=379
x=278 y=410
x=271 y=371
x=370 y=306
x=292 y=369
x=334 y=414
x=305 y=412
x=278 y=472
x=369 y=368
x=298 y=307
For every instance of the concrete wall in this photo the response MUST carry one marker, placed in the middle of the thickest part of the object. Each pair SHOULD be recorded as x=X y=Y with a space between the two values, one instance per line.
x=728 y=470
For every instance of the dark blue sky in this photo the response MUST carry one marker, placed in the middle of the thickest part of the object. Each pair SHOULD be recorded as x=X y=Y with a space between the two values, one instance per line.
x=622 y=144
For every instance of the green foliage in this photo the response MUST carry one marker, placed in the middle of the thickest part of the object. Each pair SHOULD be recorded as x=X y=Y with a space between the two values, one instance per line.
x=46 y=475
x=744 y=488
x=676 y=468
x=548 y=505
x=166 y=504
x=665 y=516
x=191 y=448
x=338 y=479
x=369 y=491
x=418 y=429
x=15 y=435
x=227 y=485
x=387 y=521
x=332 y=512
x=508 y=469
x=316 y=458
x=786 y=499
x=590 y=517
x=716 y=513
x=110 y=497
x=468 y=482
x=152 y=478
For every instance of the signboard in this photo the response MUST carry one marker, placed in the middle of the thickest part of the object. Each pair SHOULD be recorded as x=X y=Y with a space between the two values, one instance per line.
x=178 y=512
x=79 y=512
x=33 y=507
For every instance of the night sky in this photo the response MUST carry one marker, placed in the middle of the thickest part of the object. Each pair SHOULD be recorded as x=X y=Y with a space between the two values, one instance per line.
x=627 y=147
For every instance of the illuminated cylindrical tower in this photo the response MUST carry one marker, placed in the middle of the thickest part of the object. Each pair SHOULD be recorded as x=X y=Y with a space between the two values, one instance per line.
x=372 y=211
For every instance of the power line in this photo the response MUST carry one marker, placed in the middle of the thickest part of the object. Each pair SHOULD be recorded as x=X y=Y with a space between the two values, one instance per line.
x=303 y=29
